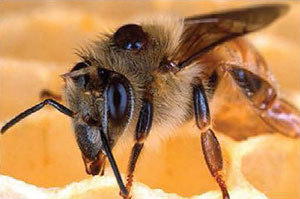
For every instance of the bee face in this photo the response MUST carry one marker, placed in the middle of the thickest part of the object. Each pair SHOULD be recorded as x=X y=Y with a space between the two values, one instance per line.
x=103 y=99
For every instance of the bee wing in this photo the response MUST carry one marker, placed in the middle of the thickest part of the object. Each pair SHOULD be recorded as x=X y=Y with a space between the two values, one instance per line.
x=204 y=32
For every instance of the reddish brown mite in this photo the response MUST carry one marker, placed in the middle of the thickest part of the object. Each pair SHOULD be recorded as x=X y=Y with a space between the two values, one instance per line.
x=154 y=76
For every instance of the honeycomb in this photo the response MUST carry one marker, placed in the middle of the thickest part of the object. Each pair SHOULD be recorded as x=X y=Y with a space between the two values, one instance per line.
x=39 y=156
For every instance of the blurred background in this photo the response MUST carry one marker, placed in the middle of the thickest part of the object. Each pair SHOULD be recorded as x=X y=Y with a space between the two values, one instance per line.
x=38 y=41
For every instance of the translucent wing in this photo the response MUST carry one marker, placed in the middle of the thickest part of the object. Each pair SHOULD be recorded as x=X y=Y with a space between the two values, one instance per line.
x=204 y=32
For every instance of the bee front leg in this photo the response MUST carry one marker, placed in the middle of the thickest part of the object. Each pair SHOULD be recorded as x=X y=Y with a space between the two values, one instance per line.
x=142 y=130
x=210 y=145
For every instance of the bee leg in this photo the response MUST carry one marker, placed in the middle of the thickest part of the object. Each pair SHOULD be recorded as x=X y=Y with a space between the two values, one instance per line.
x=210 y=145
x=276 y=112
x=61 y=108
x=45 y=93
x=141 y=133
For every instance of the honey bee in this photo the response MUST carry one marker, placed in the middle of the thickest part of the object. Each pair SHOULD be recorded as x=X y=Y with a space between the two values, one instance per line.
x=154 y=76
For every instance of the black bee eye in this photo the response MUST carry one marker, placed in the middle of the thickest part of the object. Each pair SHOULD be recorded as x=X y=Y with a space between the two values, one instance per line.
x=130 y=37
x=117 y=100
x=81 y=80
x=81 y=65
x=103 y=75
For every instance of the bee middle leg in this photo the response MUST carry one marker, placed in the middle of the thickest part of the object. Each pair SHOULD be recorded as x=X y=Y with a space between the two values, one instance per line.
x=210 y=145
x=142 y=130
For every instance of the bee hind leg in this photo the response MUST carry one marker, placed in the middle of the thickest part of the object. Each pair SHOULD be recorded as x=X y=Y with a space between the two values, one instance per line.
x=262 y=96
x=210 y=145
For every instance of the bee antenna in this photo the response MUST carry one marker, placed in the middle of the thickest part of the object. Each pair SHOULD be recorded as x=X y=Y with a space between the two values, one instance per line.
x=61 y=108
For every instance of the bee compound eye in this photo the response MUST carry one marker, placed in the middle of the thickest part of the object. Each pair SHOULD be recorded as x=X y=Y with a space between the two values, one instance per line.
x=117 y=100
x=130 y=37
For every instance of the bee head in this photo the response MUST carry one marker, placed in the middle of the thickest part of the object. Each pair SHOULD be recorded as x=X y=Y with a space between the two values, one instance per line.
x=103 y=101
